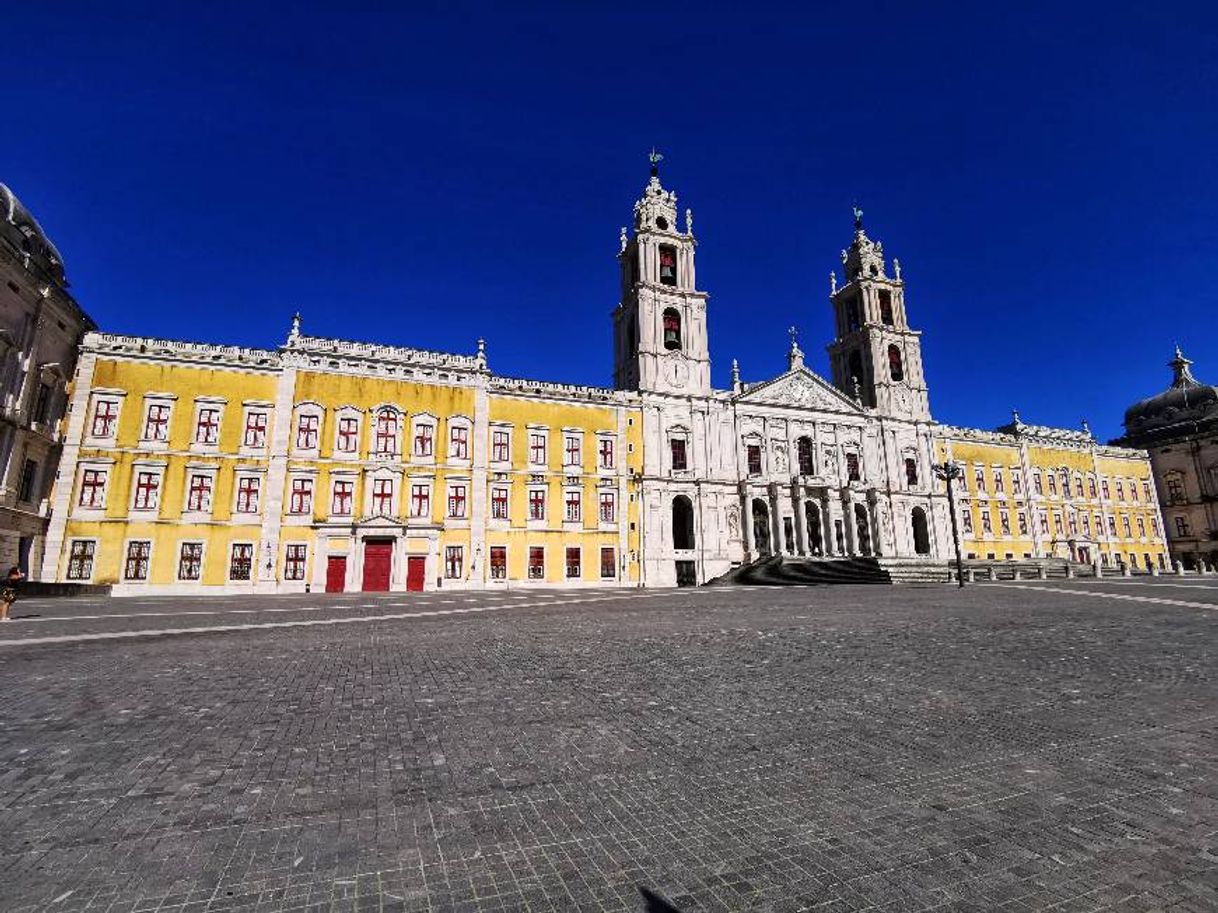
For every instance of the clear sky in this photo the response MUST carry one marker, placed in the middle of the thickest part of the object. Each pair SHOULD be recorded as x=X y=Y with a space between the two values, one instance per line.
x=423 y=174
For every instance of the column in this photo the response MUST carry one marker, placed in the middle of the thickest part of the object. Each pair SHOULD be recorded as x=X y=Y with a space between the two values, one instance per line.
x=848 y=524
x=267 y=575
x=801 y=522
x=479 y=555
x=750 y=537
x=828 y=523
x=61 y=504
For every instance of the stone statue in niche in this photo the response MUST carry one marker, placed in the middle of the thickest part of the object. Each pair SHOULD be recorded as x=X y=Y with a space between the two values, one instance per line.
x=830 y=462
x=733 y=524
x=780 y=455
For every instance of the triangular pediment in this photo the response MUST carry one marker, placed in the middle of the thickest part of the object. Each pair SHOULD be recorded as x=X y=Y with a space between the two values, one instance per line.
x=802 y=389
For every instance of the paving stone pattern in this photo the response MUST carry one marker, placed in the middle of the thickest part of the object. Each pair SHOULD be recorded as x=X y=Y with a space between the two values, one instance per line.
x=868 y=748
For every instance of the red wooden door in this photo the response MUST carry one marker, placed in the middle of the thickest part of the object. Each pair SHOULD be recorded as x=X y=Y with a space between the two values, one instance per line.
x=378 y=558
x=416 y=570
x=336 y=574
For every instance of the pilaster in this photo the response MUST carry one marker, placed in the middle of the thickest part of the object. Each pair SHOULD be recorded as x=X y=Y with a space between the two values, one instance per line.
x=62 y=502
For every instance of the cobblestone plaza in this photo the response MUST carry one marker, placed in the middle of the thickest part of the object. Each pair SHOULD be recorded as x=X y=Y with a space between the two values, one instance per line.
x=1014 y=747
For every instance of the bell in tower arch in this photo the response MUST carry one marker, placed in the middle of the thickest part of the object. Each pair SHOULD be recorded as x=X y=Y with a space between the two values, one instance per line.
x=668 y=265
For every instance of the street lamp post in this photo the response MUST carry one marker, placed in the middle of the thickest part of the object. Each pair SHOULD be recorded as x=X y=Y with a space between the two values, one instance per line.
x=949 y=472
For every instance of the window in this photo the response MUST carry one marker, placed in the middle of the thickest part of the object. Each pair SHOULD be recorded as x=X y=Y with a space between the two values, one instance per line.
x=1141 y=528
x=301 y=501
x=248 y=489
x=999 y=482
x=886 y=307
x=42 y=402
x=241 y=563
x=499 y=503
x=573 y=562
x=207 y=428
x=1112 y=527
x=1057 y=523
x=805 y=456
x=571 y=450
x=255 y=430
x=1175 y=489
x=573 y=506
x=753 y=454
x=294 y=561
x=500 y=446
x=458 y=442
x=1016 y=482
x=498 y=562
x=1133 y=490
x=147 y=490
x=198 y=492
x=677 y=445
x=1078 y=486
x=1072 y=520
x=1086 y=525
x=537 y=448
x=987 y=526
x=453 y=561
x=156 y=423
x=979 y=478
x=1091 y=486
x=80 y=559
x=537 y=504
x=420 y=500
x=386 y=438
x=606 y=453
x=1004 y=521
x=382 y=497
x=136 y=565
x=895 y=369
x=105 y=418
x=852 y=467
x=608 y=563
x=668 y=276
x=1044 y=523
x=1182 y=526
x=1104 y=488
x=423 y=443
x=537 y=562
x=456 y=501
x=1022 y=519
x=340 y=502
x=1052 y=485
x=608 y=512
x=348 y=435
x=1036 y=483
x=1146 y=488
x=92 y=488
x=1154 y=527
x=966 y=518
x=190 y=561
x=911 y=471
x=306 y=432
x=1120 y=490
x=672 y=329
x=1125 y=526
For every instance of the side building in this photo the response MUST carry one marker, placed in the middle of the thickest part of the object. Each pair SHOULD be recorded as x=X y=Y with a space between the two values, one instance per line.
x=40 y=327
x=338 y=466
x=1030 y=491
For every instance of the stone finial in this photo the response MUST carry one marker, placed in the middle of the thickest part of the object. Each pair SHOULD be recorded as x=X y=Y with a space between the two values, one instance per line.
x=481 y=356
x=689 y=221
x=735 y=376
x=1182 y=375
x=1087 y=427
x=795 y=355
x=1015 y=417
x=623 y=240
x=295 y=333
x=896 y=267
x=845 y=256
x=858 y=388
x=832 y=282
x=655 y=158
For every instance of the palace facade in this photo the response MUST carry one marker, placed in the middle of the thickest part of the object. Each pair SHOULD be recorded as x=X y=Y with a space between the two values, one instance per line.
x=336 y=465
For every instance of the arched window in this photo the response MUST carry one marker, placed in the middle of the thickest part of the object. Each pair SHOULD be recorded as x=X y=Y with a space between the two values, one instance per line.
x=886 y=307
x=386 y=432
x=911 y=470
x=921 y=535
x=807 y=464
x=682 y=523
x=668 y=265
x=852 y=314
x=672 y=329
x=895 y=370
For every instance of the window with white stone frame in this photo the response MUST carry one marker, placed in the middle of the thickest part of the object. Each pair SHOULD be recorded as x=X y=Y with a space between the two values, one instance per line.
x=294 y=559
x=103 y=417
x=573 y=445
x=424 y=447
x=342 y=497
x=386 y=429
x=255 y=422
x=501 y=444
x=208 y=414
x=158 y=409
x=91 y=493
x=307 y=437
x=248 y=494
x=605 y=454
x=347 y=433
x=300 y=495
x=200 y=486
x=190 y=561
x=537 y=447
x=146 y=487
x=458 y=439
x=80 y=559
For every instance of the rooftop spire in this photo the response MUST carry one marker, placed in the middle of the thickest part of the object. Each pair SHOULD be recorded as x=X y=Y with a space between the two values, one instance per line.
x=1182 y=375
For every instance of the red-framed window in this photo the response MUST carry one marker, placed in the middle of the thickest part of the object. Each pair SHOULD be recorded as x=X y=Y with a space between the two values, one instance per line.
x=1037 y=483
x=348 y=435
x=1146 y=489
x=156 y=423
x=499 y=503
x=573 y=501
x=606 y=452
x=386 y=432
x=571 y=450
x=1091 y=486
x=1104 y=488
x=340 y=502
x=999 y=481
x=454 y=561
x=573 y=561
x=190 y=561
x=147 y=490
x=608 y=511
x=80 y=559
x=1078 y=486
x=424 y=439
x=1125 y=526
x=498 y=562
x=1016 y=482
x=248 y=489
x=420 y=501
x=987 y=526
x=105 y=418
x=537 y=448
x=1057 y=523
x=537 y=562
x=241 y=561
x=458 y=442
x=207 y=428
x=1133 y=490
x=966 y=518
x=301 y=500
x=136 y=565
x=294 y=561
x=500 y=446
x=255 y=430
x=1023 y=523
x=753 y=456
x=456 y=501
x=382 y=497
x=1120 y=490
x=1052 y=484
x=677 y=447
x=608 y=563
x=537 y=504
x=93 y=488
x=198 y=492
x=307 y=427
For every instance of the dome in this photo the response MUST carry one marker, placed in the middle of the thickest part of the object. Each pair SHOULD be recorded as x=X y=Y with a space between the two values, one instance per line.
x=1186 y=402
x=23 y=231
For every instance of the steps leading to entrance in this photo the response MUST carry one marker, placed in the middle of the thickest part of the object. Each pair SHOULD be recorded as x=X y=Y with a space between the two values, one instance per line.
x=786 y=571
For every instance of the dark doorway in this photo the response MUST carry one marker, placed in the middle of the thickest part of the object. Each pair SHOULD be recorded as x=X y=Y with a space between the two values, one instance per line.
x=682 y=523
x=788 y=534
x=816 y=545
x=921 y=535
x=862 y=530
x=761 y=527
x=24 y=544
x=687 y=574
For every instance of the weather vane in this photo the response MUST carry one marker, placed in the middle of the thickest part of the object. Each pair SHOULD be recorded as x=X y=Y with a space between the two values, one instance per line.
x=655 y=158
x=794 y=334
x=858 y=215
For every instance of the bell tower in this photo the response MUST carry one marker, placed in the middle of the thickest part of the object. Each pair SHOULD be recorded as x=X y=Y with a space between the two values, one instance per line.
x=659 y=328
x=875 y=355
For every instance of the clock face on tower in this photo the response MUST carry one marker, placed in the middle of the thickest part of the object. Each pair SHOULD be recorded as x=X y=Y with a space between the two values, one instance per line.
x=678 y=374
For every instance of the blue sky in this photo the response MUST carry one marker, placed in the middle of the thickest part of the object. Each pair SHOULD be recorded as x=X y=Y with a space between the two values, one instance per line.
x=423 y=174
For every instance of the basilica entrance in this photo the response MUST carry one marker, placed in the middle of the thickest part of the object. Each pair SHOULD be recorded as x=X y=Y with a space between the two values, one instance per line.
x=862 y=529
x=816 y=545
x=761 y=527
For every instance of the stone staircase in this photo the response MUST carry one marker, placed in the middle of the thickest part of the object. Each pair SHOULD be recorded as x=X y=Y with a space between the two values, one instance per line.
x=788 y=571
